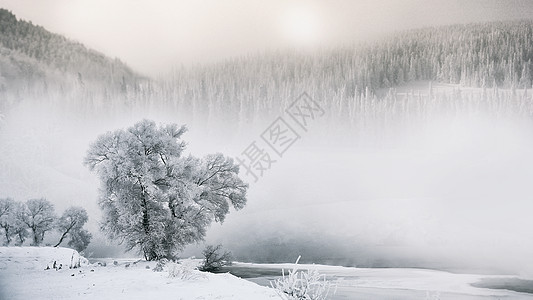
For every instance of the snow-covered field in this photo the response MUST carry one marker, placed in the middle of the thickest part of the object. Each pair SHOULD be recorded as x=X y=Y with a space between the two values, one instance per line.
x=23 y=276
x=29 y=273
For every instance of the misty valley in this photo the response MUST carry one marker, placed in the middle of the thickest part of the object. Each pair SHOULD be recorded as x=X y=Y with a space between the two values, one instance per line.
x=395 y=166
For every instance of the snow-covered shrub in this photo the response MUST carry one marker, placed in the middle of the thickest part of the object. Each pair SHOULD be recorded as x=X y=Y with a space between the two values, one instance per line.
x=215 y=258
x=302 y=285
x=160 y=265
x=184 y=270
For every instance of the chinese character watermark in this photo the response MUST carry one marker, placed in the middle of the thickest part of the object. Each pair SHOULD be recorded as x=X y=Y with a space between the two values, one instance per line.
x=255 y=160
x=279 y=136
x=304 y=110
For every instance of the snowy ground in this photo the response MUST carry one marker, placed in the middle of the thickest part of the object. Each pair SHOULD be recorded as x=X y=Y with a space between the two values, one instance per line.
x=23 y=276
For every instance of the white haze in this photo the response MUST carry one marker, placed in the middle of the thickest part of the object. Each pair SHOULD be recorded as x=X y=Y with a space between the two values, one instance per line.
x=454 y=195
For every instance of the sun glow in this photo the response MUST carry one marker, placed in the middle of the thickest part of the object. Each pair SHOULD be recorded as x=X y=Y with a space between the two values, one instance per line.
x=301 y=26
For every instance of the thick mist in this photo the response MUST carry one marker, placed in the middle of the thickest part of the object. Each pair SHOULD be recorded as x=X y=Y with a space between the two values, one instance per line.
x=453 y=196
x=451 y=192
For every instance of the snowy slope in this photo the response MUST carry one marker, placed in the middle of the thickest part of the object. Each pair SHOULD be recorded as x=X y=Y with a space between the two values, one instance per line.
x=23 y=276
x=14 y=259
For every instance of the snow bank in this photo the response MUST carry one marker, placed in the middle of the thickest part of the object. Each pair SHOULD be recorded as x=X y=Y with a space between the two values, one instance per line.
x=39 y=258
x=24 y=275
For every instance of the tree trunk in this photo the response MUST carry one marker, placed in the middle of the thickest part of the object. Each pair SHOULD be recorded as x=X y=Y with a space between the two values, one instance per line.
x=8 y=235
x=21 y=238
x=146 y=219
x=148 y=250
x=62 y=237
x=65 y=233
x=35 y=237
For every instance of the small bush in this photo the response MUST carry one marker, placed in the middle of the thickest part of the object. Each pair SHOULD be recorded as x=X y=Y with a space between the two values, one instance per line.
x=184 y=270
x=160 y=265
x=215 y=258
x=174 y=270
x=302 y=285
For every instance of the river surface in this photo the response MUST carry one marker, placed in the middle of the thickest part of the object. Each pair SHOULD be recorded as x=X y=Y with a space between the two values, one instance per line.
x=397 y=283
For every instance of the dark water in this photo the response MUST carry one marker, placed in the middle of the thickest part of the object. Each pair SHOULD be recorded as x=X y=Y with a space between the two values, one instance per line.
x=251 y=272
x=512 y=284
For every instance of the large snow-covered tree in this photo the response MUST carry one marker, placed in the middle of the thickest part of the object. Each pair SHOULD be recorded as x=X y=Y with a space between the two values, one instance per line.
x=154 y=198
x=71 y=225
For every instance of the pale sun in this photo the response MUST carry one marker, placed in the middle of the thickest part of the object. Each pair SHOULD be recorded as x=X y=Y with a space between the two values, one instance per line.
x=301 y=26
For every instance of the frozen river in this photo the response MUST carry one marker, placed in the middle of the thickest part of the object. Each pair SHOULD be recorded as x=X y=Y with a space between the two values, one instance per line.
x=398 y=283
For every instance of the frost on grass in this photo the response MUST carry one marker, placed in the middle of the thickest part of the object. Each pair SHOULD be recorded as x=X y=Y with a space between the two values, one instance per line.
x=184 y=270
x=160 y=265
x=302 y=285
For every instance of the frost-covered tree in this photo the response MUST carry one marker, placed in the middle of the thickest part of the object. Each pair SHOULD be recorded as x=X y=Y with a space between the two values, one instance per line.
x=7 y=218
x=79 y=240
x=154 y=198
x=19 y=229
x=39 y=217
x=71 y=224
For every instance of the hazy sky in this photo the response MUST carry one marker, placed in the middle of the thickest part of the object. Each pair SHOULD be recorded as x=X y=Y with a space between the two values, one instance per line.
x=152 y=36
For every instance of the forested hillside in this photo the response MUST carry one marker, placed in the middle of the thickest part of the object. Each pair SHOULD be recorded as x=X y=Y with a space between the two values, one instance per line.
x=352 y=81
x=492 y=55
x=34 y=60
